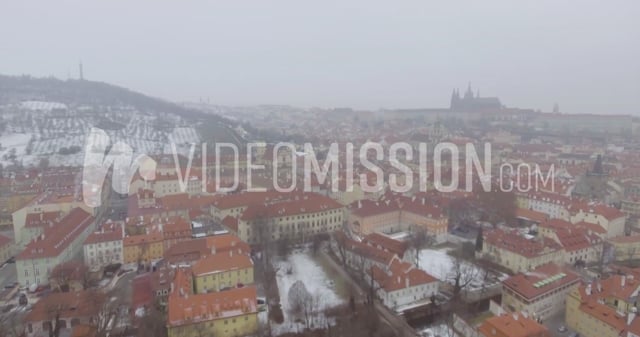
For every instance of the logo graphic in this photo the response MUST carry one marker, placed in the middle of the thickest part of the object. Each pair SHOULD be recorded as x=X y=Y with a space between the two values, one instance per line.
x=100 y=155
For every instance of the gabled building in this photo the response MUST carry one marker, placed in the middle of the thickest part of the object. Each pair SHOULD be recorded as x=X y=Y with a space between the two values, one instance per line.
x=190 y=251
x=604 y=308
x=104 y=247
x=541 y=292
x=580 y=243
x=72 y=308
x=392 y=214
x=610 y=218
x=519 y=252
x=143 y=248
x=402 y=284
x=227 y=313
x=222 y=271
x=512 y=325
x=59 y=243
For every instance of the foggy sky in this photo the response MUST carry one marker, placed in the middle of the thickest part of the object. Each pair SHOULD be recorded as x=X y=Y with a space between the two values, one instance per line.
x=363 y=54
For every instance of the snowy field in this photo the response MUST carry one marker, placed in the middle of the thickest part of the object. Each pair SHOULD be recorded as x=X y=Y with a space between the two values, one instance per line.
x=9 y=141
x=440 y=264
x=318 y=284
x=34 y=131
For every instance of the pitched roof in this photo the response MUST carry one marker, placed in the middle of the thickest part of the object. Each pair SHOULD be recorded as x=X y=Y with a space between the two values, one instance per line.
x=221 y=262
x=401 y=275
x=515 y=243
x=384 y=242
x=107 y=233
x=184 y=307
x=134 y=240
x=58 y=236
x=73 y=304
x=513 y=325
x=303 y=204
x=540 y=280
x=40 y=219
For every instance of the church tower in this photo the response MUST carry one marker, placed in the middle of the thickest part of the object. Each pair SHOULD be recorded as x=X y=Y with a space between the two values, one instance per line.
x=455 y=99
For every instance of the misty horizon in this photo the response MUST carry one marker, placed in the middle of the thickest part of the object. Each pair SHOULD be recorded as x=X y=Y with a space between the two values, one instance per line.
x=365 y=56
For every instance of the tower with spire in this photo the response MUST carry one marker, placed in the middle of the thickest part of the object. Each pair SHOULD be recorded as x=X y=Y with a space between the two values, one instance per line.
x=471 y=102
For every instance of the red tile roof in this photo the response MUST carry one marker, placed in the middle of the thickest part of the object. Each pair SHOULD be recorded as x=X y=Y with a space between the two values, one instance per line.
x=401 y=275
x=135 y=240
x=384 y=242
x=303 y=204
x=532 y=215
x=184 y=307
x=107 y=233
x=513 y=325
x=516 y=243
x=525 y=283
x=221 y=262
x=41 y=219
x=57 y=237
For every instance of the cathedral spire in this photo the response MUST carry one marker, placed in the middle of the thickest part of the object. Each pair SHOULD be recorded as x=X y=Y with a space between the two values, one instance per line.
x=469 y=93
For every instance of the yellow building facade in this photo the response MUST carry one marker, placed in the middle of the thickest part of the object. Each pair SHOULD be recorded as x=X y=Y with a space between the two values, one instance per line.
x=143 y=248
x=220 y=271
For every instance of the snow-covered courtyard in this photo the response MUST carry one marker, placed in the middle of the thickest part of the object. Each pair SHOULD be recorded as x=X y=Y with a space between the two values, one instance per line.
x=305 y=269
x=440 y=264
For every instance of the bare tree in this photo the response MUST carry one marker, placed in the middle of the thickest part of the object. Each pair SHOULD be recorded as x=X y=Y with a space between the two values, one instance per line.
x=418 y=240
x=152 y=323
x=301 y=302
x=462 y=274
x=340 y=240
x=107 y=308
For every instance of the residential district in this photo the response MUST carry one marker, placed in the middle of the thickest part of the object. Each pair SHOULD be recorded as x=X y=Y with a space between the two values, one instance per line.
x=553 y=255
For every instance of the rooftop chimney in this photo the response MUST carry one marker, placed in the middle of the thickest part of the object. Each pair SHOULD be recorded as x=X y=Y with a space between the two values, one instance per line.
x=623 y=280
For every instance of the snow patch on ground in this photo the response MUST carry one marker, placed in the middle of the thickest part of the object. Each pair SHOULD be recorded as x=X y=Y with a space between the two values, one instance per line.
x=303 y=268
x=439 y=263
x=440 y=330
x=9 y=141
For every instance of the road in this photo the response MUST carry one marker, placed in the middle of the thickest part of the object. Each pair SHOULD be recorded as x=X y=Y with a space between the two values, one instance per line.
x=398 y=324
x=8 y=274
x=554 y=322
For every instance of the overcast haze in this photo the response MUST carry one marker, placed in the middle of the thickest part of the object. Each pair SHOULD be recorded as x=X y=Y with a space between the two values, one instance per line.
x=365 y=54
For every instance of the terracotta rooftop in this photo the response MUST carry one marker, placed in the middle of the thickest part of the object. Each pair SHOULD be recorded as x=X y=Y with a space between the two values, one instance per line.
x=221 y=262
x=184 y=307
x=107 y=233
x=384 y=242
x=513 y=325
x=304 y=204
x=541 y=280
x=516 y=243
x=135 y=240
x=41 y=219
x=76 y=304
x=401 y=275
x=58 y=236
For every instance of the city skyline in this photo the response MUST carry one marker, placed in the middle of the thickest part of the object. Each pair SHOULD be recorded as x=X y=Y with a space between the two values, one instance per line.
x=359 y=55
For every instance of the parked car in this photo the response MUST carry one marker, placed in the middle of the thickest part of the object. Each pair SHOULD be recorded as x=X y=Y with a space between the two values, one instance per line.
x=562 y=328
x=23 y=299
